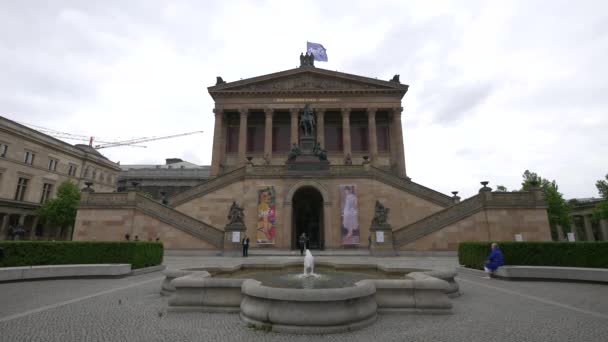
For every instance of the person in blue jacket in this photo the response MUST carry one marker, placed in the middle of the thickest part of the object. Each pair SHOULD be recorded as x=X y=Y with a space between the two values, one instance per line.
x=494 y=261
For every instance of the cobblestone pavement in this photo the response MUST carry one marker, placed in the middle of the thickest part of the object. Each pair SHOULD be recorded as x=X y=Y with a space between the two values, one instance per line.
x=131 y=309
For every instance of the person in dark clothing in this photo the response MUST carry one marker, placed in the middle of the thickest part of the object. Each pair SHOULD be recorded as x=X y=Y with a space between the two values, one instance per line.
x=494 y=261
x=303 y=241
x=246 y=246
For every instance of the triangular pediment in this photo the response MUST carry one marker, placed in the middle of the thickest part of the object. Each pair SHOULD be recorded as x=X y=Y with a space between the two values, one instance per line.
x=308 y=79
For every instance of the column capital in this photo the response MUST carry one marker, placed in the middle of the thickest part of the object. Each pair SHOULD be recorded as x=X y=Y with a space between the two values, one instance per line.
x=268 y=111
x=218 y=110
x=345 y=111
x=372 y=110
x=294 y=111
x=244 y=111
x=397 y=110
x=321 y=110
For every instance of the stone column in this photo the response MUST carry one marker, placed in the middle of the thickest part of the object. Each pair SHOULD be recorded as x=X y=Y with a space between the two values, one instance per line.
x=346 y=132
x=588 y=228
x=217 y=152
x=268 y=133
x=4 y=227
x=604 y=229
x=560 y=233
x=294 y=125
x=398 y=155
x=321 y=126
x=372 y=138
x=33 y=229
x=243 y=136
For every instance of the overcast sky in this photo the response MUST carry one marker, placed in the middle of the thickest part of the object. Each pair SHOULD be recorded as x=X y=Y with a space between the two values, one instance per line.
x=495 y=87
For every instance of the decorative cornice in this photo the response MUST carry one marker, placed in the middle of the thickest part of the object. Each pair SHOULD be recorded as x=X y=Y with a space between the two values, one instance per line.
x=308 y=81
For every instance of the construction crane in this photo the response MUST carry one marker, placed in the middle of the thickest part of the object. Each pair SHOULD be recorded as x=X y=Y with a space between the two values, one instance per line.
x=104 y=144
x=132 y=142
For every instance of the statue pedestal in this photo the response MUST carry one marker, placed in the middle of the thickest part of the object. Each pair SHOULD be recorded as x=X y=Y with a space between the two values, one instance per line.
x=234 y=234
x=307 y=161
x=381 y=240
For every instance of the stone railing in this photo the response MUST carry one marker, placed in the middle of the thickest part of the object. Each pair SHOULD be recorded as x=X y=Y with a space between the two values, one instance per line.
x=436 y=221
x=208 y=186
x=457 y=212
x=335 y=171
x=162 y=212
x=409 y=186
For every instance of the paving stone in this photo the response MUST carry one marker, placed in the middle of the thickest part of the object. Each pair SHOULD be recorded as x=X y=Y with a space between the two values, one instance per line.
x=488 y=310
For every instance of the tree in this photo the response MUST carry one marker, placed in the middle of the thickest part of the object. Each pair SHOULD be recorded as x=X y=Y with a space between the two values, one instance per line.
x=601 y=209
x=558 y=209
x=501 y=188
x=61 y=211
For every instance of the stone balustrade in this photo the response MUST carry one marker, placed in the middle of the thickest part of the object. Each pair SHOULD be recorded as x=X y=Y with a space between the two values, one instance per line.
x=155 y=209
x=458 y=211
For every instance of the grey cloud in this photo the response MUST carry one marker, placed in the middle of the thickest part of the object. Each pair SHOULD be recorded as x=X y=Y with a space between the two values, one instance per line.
x=452 y=103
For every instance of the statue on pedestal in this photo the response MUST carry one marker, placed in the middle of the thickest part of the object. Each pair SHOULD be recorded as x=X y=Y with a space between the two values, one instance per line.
x=318 y=151
x=380 y=215
x=307 y=121
x=235 y=214
x=294 y=152
x=348 y=160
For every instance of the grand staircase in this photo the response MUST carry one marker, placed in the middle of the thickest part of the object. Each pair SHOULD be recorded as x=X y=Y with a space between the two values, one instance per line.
x=466 y=208
x=336 y=171
x=164 y=213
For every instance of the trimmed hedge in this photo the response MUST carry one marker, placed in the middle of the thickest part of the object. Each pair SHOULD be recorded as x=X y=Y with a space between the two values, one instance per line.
x=30 y=253
x=566 y=254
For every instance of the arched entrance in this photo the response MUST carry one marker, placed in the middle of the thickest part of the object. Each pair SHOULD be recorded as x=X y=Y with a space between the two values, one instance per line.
x=307 y=217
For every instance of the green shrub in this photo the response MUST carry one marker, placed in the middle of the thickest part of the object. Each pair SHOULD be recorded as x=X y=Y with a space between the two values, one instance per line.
x=29 y=253
x=566 y=254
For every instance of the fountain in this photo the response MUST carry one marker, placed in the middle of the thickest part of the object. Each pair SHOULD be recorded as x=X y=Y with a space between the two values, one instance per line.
x=309 y=265
x=340 y=297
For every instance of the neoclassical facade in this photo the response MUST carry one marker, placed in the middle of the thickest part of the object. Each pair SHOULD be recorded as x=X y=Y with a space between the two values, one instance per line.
x=33 y=165
x=355 y=116
x=278 y=179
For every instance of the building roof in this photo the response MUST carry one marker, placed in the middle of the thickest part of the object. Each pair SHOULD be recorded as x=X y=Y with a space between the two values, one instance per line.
x=78 y=150
x=307 y=80
x=178 y=165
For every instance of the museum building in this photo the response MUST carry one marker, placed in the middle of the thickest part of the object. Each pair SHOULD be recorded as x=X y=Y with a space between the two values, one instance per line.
x=315 y=152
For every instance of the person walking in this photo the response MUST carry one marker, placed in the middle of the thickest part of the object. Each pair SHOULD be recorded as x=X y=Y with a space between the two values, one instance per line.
x=246 y=246
x=494 y=261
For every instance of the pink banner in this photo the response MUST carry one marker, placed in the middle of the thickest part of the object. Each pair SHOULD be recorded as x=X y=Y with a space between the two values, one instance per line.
x=349 y=214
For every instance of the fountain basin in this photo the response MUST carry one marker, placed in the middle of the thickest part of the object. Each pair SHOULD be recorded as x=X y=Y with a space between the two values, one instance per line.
x=262 y=303
x=306 y=311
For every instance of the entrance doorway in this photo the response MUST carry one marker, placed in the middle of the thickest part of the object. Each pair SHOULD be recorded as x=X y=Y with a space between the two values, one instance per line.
x=307 y=217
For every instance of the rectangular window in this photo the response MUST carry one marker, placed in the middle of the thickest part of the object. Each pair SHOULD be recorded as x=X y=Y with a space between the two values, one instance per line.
x=232 y=142
x=46 y=192
x=383 y=138
x=21 y=188
x=280 y=138
x=358 y=138
x=333 y=138
x=255 y=139
x=53 y=164
x=3 y=150
x=29 y=157
x=72 y=170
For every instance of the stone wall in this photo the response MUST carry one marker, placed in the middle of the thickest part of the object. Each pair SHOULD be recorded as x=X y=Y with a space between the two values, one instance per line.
x=212 y=207
x=113 y=223
x=487 y=225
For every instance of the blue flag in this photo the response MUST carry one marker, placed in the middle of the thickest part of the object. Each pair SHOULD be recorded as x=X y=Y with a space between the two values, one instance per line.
x=317 y=50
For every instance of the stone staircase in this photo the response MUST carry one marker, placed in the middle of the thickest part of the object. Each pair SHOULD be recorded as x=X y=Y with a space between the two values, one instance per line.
x=164 y=213
x=336 y=171
x=466 y=208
